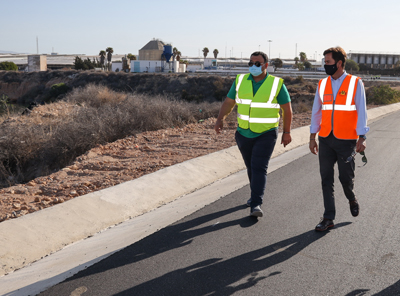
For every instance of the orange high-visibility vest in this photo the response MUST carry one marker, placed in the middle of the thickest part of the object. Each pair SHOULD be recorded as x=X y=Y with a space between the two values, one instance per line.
x=339 y=116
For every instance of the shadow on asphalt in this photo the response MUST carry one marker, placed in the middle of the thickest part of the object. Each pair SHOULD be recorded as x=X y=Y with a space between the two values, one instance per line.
x=393 y=290
x=389 y=291
x=211 y=276
x=192 y=278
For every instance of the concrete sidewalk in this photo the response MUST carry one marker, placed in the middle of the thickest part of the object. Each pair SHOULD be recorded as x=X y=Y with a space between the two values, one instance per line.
x=35 y=236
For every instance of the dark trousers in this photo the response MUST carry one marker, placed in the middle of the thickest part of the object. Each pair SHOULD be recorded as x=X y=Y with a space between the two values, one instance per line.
x=256 y=153
x=332 y=150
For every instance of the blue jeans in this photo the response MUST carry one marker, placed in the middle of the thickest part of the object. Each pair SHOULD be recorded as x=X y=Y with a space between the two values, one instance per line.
x=256 y=153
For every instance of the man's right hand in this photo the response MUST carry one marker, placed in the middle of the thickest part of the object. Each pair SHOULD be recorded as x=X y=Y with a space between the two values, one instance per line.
x=313 y=147
x=219 y=125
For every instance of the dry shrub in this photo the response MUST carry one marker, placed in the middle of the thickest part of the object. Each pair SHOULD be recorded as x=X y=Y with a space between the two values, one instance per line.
x=301 y=107
x=53 y=135
x=95 y=96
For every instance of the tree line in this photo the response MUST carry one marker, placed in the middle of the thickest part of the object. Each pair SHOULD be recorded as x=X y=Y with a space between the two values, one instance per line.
x=87 y=64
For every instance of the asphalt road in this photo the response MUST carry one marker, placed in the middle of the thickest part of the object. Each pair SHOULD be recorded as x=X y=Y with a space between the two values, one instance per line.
x=220 y=250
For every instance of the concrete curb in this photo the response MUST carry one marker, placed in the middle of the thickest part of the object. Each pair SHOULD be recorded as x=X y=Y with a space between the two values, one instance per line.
x=34 y=236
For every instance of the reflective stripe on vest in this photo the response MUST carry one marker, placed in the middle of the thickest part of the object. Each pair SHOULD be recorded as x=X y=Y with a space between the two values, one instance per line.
x=339 y=114
x=258 y=112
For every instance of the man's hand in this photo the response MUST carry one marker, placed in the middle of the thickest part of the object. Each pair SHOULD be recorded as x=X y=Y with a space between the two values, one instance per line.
x=286 y=139
x=313 y=146
x=226 y=108
x=361 y=145
x=219 y=125
x=287 y=123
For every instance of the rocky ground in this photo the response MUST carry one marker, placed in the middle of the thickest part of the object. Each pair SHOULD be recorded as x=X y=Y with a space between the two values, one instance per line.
x=118 y=162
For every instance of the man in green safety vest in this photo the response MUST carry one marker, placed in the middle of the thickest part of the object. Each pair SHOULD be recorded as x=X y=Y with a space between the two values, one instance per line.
x=259 y=97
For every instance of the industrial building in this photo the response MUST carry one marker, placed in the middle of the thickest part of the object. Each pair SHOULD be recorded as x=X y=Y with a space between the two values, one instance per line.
x=375 y=60
x=156 y=56
x=37 y=63
x=152 y=51
x=52 y=62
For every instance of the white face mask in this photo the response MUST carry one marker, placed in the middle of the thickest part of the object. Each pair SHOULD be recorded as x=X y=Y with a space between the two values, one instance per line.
x=255 y=71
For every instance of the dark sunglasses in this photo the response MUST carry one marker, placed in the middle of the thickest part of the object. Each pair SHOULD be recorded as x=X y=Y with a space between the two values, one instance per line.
x=258 y=64
x=353 y=156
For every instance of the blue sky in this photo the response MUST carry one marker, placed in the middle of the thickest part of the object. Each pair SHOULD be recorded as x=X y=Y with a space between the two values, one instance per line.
x=233 y=27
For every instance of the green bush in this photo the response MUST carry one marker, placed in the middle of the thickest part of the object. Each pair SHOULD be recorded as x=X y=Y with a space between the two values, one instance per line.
x=59 y=89
x=86 y=64
x=382 y=95
x=8 y=66
x=56 y=91
x=352 y=65
x=4 y=105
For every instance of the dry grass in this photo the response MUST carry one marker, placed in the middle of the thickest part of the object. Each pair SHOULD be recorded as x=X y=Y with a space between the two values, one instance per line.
x=53 y=135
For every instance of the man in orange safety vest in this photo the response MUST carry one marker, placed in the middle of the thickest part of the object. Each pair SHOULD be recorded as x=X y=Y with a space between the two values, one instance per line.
x=339 y=116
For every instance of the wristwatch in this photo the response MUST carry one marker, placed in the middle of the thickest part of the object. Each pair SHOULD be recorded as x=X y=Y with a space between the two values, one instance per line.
x=362 y=136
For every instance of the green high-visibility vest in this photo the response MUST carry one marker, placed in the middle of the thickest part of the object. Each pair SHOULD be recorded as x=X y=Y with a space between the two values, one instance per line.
x=259 y=112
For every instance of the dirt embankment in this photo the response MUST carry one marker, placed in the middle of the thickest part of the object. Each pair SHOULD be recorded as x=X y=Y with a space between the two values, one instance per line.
x=44 y=87
x=24 y=88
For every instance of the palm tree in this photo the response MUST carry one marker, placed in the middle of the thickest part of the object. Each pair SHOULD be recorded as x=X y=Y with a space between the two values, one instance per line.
x=131 y=57
x=215 y=52
x=102 y=55
x=109 y=51
x=303 y=56
x=205 y=52
x=296 y=60
x=178 y=55
x=175 y=52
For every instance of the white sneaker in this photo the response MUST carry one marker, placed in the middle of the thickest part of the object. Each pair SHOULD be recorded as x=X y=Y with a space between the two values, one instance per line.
x=256 y=212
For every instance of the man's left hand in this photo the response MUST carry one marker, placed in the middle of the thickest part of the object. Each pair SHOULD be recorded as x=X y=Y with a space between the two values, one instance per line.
x=361 y=145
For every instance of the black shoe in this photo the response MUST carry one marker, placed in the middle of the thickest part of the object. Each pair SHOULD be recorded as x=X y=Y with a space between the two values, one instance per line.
x=354 y=208
x=324 y=225
x=248 y=203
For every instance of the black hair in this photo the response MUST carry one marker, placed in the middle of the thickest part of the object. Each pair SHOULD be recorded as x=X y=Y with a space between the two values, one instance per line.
x=257 y=53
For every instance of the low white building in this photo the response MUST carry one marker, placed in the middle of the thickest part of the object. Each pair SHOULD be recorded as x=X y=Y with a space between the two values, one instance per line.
x=116 y=66
x=138 y=66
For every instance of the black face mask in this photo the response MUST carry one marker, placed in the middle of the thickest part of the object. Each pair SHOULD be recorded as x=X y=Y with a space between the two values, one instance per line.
x=330 y=69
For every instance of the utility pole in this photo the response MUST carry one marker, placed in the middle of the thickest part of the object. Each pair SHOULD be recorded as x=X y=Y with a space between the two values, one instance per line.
x=269 y=53
x=226 y=44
